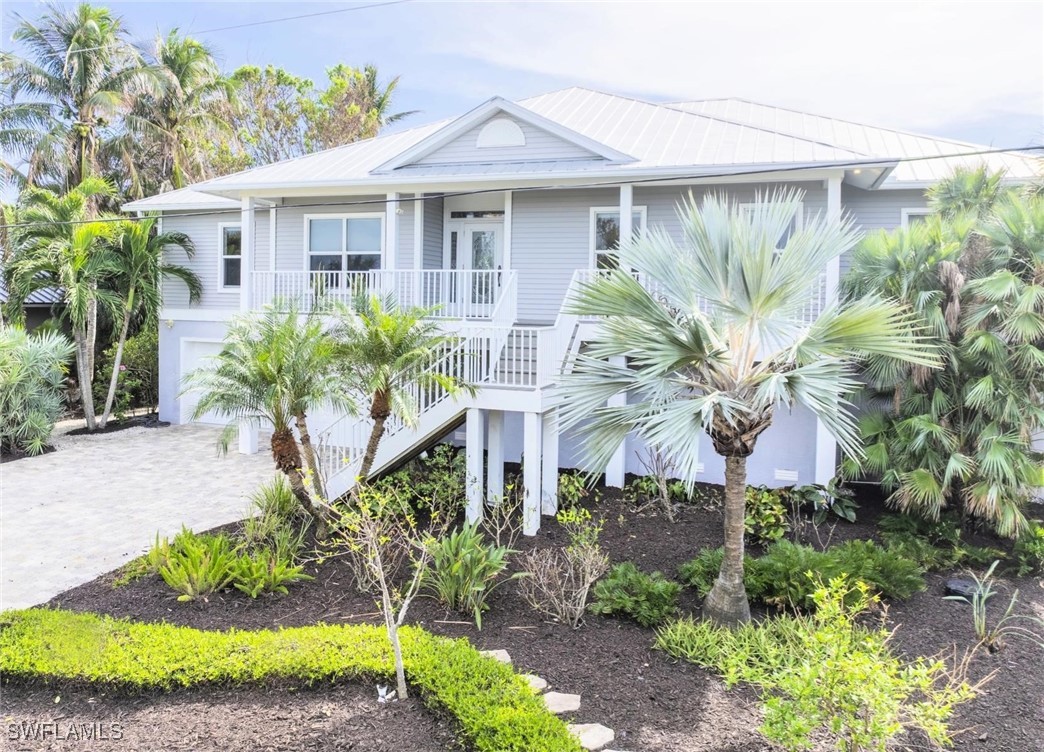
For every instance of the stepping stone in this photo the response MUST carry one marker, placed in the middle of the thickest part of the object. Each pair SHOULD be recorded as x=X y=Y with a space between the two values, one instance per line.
x=537 y=684
x=497 y=655
x=559 y=702
x=592 y=735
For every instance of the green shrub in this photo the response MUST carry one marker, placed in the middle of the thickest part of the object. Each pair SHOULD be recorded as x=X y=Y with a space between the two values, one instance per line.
x=1028 y=551
x=138 y=382
x=196 y=565
x=32 y=385
x=278 y=521
x=649 y=599
x=824 y=674
x=784 y=569
x=934 y=544
x=824 y=500
x=886 y=572
x=701 y=572
x=464 y=570
x=766 y=519
x=496 y=709
x=265 y=573
x=573 y=489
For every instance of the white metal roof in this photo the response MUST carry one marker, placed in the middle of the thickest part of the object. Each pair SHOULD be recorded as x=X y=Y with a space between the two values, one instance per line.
x=704 y=137
x=871 y=140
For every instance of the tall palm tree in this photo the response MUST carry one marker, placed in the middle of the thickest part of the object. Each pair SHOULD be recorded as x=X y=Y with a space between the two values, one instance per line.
x=79 y=77
x=59 y=247
x=139 y=265
x=385 y=353
x=714 y=341
x=170 y=132
x=274 y=369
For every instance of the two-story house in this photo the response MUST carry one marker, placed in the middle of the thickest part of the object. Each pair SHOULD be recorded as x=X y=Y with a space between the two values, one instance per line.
x=492 y=216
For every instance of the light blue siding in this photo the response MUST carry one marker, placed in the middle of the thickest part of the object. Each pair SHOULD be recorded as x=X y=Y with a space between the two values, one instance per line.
x=290 y=225
x=877 y=210
x=433 y=222
x=540 y=146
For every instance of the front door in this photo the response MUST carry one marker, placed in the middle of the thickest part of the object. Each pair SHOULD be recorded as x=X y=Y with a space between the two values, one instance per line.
x=476 y=253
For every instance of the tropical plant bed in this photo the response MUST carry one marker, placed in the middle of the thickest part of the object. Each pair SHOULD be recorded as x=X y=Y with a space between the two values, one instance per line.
x=12 y=456
x=650 y=700
x=150 y=420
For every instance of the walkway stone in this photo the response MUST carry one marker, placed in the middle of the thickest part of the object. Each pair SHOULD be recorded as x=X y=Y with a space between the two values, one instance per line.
x=98 y=502
x=535 y=682
x=559 y=702
x=592 y=735
x=498 y=655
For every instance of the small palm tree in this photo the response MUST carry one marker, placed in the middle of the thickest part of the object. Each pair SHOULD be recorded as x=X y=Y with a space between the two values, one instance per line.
x=274 y=369
x=714 y=340
x=58 y=247
x=385 y=353
x=138 y=257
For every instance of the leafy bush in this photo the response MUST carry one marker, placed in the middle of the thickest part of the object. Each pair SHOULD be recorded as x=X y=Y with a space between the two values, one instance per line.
x=1028 y=551
x=824 y=674
x=824 y=500
x=556 y=582
x=649 y=599
x=934 y=544
x=277 y=521
x=464 y=570
x=265 y=573
x=32 y=376
x=195 y=565
x=496 y=709
x=572 y=489
x=766 y=519
x=138 y=382
x=780 y=576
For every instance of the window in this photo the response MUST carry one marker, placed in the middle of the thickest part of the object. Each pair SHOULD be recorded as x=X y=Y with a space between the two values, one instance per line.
x=796 y=223
x=911 y=217
x=231 y=255
x=344 y=244
x=605 y=234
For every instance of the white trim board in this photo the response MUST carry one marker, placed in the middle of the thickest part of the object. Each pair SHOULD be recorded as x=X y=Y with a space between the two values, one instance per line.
x=306 y=265
x=913 y=211
x=592 y=228
x=222 y=226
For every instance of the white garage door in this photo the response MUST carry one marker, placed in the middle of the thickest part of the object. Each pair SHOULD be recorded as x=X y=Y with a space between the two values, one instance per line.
x=195 y=353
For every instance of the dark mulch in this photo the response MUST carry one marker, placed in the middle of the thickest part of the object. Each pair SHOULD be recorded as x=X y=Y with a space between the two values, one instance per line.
x=652 y=702
x=250 y=718
x=138 y=421
x=15 y=455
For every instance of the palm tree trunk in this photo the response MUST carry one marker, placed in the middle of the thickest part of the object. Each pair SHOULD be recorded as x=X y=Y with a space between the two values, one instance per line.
x=726 y=604
x=288 y=462
x=309 y=455
x=111 y=396
x=92 y=330
x=83 y=376
x=371 y=448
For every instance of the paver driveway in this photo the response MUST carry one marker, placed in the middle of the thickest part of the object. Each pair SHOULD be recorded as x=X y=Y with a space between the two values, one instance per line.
x=96 y=503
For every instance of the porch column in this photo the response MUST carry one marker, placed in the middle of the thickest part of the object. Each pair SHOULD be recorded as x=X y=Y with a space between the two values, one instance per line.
x=474 y=449
x=495 y=458
x=508 y=201
x=617 y=467
x=247 y=216
x=532 y=440
x=272 y=219
x=391 y=231
x=418 y=248
x=826 y=445
x=549 y=464
x=626 y=212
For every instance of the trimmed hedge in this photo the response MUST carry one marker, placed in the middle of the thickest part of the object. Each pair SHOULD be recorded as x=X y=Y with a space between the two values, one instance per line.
x=495 y=707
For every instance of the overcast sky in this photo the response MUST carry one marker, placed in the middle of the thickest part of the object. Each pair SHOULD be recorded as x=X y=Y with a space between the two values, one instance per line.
x=967 y=70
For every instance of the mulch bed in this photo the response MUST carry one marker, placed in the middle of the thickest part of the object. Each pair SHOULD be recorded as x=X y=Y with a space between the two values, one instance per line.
x=14 y=456
x=651 y=701
x=138 y=421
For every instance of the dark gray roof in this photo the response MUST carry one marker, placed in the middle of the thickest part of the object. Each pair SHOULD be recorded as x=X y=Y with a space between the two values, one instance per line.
x=43 y=297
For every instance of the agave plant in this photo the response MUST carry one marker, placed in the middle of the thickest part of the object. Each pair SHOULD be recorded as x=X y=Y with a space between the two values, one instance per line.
x=707 y=336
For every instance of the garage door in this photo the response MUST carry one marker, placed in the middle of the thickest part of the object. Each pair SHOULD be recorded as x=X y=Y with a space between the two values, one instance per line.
x=194 y=354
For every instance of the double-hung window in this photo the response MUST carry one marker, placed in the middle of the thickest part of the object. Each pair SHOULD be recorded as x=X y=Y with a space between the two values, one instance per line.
x=344 y=244
x=911 y=217
x=231 y=241
x=605 y=234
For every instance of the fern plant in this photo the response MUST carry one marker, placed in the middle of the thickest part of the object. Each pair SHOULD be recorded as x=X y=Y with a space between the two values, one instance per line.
x=649 y=599
x=266 y=573
x=197 y=566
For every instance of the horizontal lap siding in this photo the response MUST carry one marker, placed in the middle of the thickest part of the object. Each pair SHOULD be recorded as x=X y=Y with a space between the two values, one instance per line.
x=877 y=210
x=405 y=260
x=433 y=232
x=540 y=145
x=290 y=230
x=204 y=232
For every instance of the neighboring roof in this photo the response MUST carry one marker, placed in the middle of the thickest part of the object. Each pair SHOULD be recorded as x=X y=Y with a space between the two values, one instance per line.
x=626 y=136
x=183 y=199
x=43 y=297
x=871 y=140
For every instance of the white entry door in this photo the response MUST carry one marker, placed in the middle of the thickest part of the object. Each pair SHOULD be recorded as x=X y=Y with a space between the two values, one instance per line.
x=477 y=252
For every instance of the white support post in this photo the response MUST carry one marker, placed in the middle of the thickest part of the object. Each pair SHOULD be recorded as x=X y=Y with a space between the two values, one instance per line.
x=508 y=202
x=549 y=464
x=495 y=458
x=474 y=450
x=248 y=431
x=531 y=440
x=273 y=216
x=391 y=232
x=617 y=467
x=826 y=444
x=626 y=212
x=418 y=248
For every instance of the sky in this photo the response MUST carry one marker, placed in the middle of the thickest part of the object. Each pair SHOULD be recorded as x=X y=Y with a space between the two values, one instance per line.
x=973 y=71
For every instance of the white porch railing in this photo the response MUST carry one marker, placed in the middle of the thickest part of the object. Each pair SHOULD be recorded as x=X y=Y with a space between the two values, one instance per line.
x=453 y=294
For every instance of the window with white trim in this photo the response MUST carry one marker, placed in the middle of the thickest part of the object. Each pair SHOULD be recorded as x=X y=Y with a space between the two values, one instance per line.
x=912 y=217
x=345 y=244
x=797 y=222
x=605 y=234
x=231 y=255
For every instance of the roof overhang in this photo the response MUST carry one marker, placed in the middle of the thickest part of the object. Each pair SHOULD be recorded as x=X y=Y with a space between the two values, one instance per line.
x=469 y=120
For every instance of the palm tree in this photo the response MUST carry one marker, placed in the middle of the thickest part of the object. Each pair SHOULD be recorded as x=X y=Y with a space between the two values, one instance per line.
x=138 y=257
x=171 y=131
x=714 y=340
x=79 y=78
x=59 y=247
x=385 y=353
x=274 y=369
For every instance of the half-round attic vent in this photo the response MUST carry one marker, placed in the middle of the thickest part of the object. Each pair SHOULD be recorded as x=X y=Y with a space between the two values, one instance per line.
x=499 y=133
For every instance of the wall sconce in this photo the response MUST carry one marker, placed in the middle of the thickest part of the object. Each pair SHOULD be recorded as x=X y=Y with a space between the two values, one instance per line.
x=170 y=323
